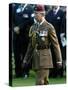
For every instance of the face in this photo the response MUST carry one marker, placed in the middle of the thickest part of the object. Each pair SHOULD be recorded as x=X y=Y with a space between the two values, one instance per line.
x=63 y=8
x=54 y=8
x=38 y=16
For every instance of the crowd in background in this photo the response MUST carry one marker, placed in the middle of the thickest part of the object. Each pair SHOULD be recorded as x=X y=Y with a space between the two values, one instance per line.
x=22 y=19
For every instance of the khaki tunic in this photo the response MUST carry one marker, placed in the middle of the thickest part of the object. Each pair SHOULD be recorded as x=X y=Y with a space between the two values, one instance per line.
x=42 y=58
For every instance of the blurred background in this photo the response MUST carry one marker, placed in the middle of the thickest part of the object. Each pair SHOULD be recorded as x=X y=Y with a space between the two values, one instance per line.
x=21 y=17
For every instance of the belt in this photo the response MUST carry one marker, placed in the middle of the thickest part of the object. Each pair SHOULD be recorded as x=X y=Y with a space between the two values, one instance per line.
x=42 y=47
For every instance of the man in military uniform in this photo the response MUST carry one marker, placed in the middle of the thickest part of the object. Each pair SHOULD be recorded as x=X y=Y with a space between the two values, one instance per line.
x=42 y=35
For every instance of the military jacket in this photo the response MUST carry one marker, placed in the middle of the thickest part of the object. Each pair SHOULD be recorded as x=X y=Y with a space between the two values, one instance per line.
x=43 y=36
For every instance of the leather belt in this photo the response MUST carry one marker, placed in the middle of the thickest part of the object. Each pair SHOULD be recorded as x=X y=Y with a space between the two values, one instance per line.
x=42 y=47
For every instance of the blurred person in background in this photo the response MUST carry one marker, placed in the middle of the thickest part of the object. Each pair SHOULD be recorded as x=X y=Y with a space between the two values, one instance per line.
x=63 y=40
x=55 y=17
x=22 y=20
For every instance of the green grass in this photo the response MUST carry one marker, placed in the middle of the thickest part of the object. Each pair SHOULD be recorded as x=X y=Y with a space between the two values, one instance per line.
x=31 y=81
x=24 y=82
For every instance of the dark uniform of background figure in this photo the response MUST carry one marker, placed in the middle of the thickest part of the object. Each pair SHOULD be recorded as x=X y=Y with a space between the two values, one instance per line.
x=42 y=36
x=28 y=21
x=55 y=16
x=63 y=40
x=22 y=21
x=16 y=42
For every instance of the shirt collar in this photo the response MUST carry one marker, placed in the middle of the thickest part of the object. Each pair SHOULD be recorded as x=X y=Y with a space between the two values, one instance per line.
x=35 y=21
x=43 y=19
x=57 y=10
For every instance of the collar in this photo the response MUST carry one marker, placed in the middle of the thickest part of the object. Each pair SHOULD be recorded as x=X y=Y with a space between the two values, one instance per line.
x=57 y=10
x=35 y=21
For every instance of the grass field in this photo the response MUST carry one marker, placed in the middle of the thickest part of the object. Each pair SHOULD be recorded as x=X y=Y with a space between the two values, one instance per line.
x=31 y=81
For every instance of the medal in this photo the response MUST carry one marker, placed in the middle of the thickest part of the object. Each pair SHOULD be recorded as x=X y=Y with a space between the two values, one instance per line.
x=43 y=38
x=43 y=33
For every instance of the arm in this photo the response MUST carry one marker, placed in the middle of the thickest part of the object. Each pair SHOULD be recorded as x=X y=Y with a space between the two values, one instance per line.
x=29 y=51
x=28 y=54
x=55 y=44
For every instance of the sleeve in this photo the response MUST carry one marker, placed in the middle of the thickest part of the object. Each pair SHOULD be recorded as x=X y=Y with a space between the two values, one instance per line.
x=30 y=32
x=29 y=51
x=32 y=36
x=55 y=44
